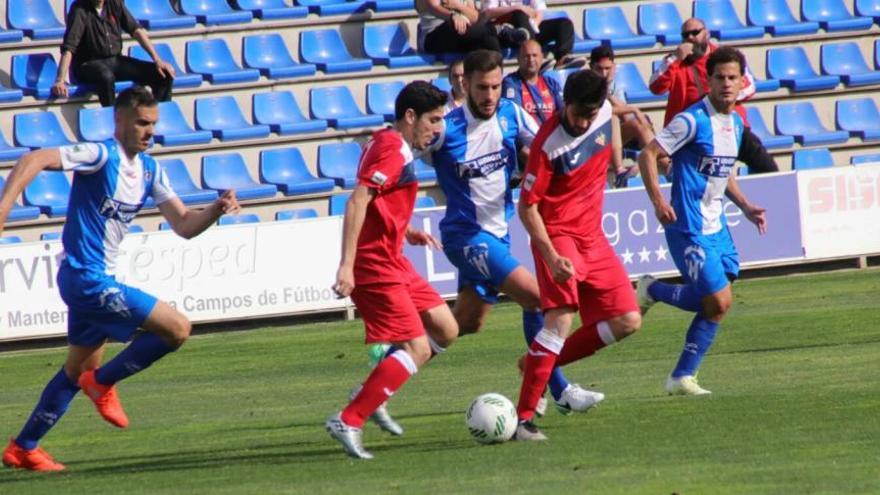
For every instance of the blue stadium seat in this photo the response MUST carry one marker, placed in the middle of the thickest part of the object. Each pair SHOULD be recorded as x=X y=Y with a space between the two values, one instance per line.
x=268 y=54
x=845 y=60
x=38 y=130
x=213 y=59
x=424 y=172
x=610 y=26
x=801 y=121
x=325 y=48
x=296 y=214
x=215 y=12
x=238 y=219
x=425 y=202
x=182 y=79
x=10 y=35
x=759 y=128
x=183 y=185
x=286 y=168
x=811 y=159
x=49 y=191
x=580 y=45
x=628 y=78
x=10 y=153
x=229 y=171
x=661 y=20
x=337 y=203
x=792 y=67
x=34 y=74
x=158 y=14
x=390 y=5
x=723 y=22
x=280 y=111
x=222 y=116
x=832 y=15
x=859 y=117
x=337 y=107
x=10 y=239
x=339 y=161
x=334 y=7
x=561 y=74
x=868 y=8
x=164 y=226
x=863 y=159
x=381 y=96
x=388 y=44
x=35 y=17
x=9 y=95
x=173 y=129
x=50 y=236
x=96 y=124
x=135 y=229
x=273 y=9
x=777 y=19
x=19 y=212
x=442 y=83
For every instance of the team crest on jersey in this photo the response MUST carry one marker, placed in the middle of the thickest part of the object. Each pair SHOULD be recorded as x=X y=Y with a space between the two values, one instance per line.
x=529 y=181
x=694 y=258
x=511 y=93
x=478 y=256
x=378 y=178
x=600 y=139
x=502 y=121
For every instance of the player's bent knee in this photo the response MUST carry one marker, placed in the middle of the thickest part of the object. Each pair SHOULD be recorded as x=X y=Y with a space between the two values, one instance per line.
x=628 y=324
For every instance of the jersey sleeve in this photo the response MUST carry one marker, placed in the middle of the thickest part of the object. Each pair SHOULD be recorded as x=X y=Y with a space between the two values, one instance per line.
x=162 y=190
x=680 y=131
x=525 y=125
x=380 y=165
x=537 y=177
x=84 y=158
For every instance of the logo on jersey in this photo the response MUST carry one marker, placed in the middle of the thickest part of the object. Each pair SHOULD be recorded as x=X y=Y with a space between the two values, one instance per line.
x=482 y=166
x=116 y=210
x=716 y=166
x=511 y=94
x=694 y=259
x=600 y=139
x=478 y=256
x=112 y=299
x=502 y=121
x=529 y=181
x=378 y=178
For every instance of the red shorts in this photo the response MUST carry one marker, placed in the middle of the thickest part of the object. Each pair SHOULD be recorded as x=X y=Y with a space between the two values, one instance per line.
x=600 y=288
x=391 y=309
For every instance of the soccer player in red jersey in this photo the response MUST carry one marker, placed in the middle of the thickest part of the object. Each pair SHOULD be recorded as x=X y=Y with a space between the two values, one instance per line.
x=577 y=269
x=397 y=305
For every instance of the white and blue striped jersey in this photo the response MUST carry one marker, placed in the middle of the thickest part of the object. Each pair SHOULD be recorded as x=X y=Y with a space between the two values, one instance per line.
x=108 y=191
x=703 y=144
x=474 y=159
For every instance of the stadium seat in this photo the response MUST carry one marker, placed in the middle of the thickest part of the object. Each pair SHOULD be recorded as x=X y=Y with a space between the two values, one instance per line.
x=10 y=239
x=845 y=60
x=425 y=202
x=442 y=83
x=36 y=18
x=628 y=78
x=390 y=5
x=868 y=8
x=214 y=61
x=10 y=153
x=334 y=7
x=135 y=229
x=792 y=67
x=182 y=79
x=777 y=19
x=723 y=22
x=811 y=159
x=10 y=35
x=286 y=168
x=229 y=171
x=273 y=9
x=96 y=124
x=164 y=226
x=832 y=15
x=863 y=159
x=50 y=236
x=859 y=117
x=222 y=116
x=183 y=185
x=49 y=191
x=10 y=95
x=238 y=219
x=296 y=214
x=609 y=25
x=19 y=212
x=38 y=130
x=388 y=44
x=759 y=128
x=381 y=96
x=801 y=121
x=337 y=107
x=158 y=14
x=215 y=12
x=173 y=129
x=325 y=48
x=339 y=161
x=337 y=203
x=424 y=172
x=268 y=54
x=562 y=74
x=580 y=45
x=661 y=20
x=34 y=74
x=280 y=111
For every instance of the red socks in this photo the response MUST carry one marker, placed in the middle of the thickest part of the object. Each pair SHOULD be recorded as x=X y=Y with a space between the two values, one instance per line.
x=585 y=342
x=540 y=361
x=386 y=378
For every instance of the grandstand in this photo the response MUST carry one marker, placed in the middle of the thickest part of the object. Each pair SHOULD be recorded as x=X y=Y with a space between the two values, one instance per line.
x=269 y=98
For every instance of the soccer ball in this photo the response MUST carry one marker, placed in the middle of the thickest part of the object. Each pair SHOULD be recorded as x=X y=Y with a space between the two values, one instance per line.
x=491 y=418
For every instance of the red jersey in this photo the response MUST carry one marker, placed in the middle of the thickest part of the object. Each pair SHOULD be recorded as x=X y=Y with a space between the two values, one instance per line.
x=566 y=176
x=387 y=167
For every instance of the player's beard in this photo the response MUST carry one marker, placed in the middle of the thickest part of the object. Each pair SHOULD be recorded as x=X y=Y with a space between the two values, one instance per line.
x=475 y=109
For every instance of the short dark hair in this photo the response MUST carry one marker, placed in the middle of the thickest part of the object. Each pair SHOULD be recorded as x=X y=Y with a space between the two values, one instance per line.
x=585 y=89
x=600 y=52
x=725 y=55
x=449 y=69
x=421 y=96
x=135 y=97
x=482 y=61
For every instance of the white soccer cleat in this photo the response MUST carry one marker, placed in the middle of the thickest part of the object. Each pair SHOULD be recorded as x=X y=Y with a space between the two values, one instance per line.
x=382 y=418
x=577 y=399
x=541 y=407
x=527 y=431
x=349 y=436
x=685 y=385
x=645 y=299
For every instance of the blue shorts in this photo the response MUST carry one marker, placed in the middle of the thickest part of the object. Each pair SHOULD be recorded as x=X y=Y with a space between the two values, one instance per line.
x=709 y=262
x=483 y=261
x=99 y=307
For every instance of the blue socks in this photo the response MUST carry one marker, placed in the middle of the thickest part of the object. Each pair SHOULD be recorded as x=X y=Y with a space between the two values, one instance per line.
x=139 y=355
x=697 y=342
x=52 y=405
x=683 y=297
x=533 y=322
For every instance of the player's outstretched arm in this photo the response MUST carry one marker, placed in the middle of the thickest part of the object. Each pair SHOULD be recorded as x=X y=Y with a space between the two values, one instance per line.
x=754 y=213
x=189 y=223
x=22 y=174
x=648 y=168
x=352 y=223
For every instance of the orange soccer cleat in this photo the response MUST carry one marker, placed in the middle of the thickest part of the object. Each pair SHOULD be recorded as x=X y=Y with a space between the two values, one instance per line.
x=105 y=399
x=34 y=460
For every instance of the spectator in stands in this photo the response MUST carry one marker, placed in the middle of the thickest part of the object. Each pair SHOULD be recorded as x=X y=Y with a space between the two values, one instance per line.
x=527 y=16
x=539 y=94
x=450 y=26
x=93 y=46
x=457 y=95
x=683 y=74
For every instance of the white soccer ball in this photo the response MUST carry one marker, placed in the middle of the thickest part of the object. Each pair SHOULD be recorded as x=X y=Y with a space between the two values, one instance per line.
x=491 y=418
